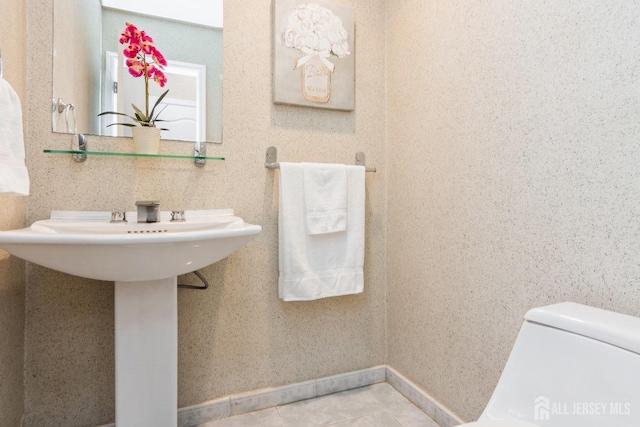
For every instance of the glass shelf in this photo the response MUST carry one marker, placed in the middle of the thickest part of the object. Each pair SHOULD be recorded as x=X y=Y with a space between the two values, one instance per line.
x=153 y=156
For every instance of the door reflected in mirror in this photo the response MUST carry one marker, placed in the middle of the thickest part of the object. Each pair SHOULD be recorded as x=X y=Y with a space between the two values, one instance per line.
x=90 y=75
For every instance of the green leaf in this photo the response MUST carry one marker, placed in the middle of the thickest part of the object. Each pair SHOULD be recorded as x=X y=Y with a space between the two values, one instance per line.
x=121 y=124
x=139 y=114
x=156 y=104
x=113 y=112
x=158 y=115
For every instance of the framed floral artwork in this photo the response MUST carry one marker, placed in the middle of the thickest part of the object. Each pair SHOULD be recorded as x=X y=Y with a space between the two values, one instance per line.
x=314 y=52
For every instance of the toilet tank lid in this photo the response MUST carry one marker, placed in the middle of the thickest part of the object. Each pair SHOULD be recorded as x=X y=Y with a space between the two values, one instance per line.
x=613 y=328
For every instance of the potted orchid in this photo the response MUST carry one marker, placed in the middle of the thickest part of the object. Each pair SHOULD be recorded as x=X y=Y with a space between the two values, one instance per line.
x=143 y=60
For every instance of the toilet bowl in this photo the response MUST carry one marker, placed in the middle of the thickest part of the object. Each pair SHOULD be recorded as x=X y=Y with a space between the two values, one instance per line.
x=571 y=366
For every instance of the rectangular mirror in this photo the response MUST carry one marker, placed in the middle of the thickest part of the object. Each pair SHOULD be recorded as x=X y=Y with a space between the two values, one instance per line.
x=90 y=75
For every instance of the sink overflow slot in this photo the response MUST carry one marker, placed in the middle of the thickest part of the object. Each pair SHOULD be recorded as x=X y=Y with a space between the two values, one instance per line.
x=146 y=231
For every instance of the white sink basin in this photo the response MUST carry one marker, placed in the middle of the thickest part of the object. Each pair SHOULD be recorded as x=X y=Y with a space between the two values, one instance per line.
x=144 y=261
x=86 y=244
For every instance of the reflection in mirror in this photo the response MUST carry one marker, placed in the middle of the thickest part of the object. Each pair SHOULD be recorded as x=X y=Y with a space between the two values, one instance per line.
x=90 y=76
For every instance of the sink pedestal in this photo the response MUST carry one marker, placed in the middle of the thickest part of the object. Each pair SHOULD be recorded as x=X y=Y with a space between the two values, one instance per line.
x=146 y=338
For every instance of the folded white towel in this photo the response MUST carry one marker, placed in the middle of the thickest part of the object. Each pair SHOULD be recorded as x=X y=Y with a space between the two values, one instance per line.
x=322 y=265
x=14 y=178
x=325 y=196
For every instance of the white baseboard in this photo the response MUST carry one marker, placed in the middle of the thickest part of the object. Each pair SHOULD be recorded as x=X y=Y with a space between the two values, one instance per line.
x=434 y=409
x=266 y=398
x=270 y=397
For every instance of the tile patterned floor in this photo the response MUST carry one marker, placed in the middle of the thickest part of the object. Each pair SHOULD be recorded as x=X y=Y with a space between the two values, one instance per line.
x=378 y=405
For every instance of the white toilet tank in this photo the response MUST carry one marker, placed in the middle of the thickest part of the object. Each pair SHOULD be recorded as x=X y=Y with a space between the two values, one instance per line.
x=571 y=366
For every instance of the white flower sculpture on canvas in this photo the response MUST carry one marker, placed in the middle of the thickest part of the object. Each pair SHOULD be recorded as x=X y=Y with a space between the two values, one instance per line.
x=315 y=31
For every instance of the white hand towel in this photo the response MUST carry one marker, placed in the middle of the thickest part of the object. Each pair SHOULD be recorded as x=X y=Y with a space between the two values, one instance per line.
x=14 y=178
x=325 y=196
x=322 y=265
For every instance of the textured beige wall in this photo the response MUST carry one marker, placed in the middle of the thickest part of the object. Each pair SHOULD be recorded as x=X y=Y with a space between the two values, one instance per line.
x=12 y=215
x=513 y=178
x=237 y=336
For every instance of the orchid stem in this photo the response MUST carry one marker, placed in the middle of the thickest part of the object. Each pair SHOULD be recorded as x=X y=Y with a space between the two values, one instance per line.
x=146 y=87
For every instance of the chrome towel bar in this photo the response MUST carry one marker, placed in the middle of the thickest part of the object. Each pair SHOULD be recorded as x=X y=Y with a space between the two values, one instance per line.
x=271 y=160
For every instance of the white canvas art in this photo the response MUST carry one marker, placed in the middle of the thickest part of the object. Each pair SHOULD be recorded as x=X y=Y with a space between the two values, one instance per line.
x=313 y=54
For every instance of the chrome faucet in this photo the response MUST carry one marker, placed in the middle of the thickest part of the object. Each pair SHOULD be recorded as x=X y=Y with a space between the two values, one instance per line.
x=148 y=211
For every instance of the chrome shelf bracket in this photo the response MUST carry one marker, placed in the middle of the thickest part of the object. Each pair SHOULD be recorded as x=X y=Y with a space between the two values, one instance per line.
x=199 y=151
x=79 y=143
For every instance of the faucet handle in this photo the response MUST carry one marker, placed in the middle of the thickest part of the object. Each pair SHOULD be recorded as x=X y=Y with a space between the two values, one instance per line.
x=118 y=216
x=178 y=216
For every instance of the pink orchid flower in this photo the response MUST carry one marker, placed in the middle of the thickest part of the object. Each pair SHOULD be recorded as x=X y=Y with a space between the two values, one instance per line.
x=146 y=44
x=130 y=34
x=136 y=68
x=158 y=58
x=159 y=77
x=132 y=50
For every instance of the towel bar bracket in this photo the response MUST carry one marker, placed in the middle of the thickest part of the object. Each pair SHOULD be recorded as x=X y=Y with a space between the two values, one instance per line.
x=59 y=106
x=271 y=160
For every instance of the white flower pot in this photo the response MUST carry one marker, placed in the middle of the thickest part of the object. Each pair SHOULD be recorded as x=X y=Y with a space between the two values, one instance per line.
x=146 y=139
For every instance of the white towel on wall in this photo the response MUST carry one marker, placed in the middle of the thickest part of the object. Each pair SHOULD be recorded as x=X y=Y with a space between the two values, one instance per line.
x=14 y=178
x=322 y=265
x=325 y=196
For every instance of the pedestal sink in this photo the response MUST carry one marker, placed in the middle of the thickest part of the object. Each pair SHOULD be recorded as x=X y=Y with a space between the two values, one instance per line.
x=144 y=261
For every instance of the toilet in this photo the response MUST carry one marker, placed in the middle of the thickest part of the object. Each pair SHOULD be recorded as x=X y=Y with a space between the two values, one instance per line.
x=571 y=366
